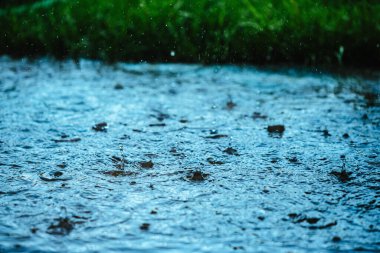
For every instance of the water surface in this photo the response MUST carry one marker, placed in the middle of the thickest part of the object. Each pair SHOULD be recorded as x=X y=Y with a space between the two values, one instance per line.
x=186 y=162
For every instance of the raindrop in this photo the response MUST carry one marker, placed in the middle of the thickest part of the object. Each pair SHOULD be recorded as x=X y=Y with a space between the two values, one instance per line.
x=172 y=53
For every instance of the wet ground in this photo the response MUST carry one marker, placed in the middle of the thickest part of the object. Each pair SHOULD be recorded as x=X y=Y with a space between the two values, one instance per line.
x=186 y=158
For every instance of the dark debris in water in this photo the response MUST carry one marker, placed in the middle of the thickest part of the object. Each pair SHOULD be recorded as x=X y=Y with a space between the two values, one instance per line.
x=67 y=140
x=326 y=133
x=371 y=98
x=100 y=127
x=293 y=159
x=336 y=239
x=231 y=151
x=116 y=159
x=174 y=152
x=58 y=174
x=157 y=125
x=119 y=173
x=238 y=248
x=145 y=226
x=63 y=227
x=324 y=226
x=197 y=176
x=54 y=176
x=118 y=86
x=212 y=161
x=118 y=162
x=217 y=136
x=160 y=116
x=258 y=115
x=230 y=104
x=278 y=129
x=147 y=164
x=62 y=165
x=342 y=175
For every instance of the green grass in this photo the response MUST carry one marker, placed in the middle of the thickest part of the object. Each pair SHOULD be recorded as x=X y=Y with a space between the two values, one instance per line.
x=310 y=32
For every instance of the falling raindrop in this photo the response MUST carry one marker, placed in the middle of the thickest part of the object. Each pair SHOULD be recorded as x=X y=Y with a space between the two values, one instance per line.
x=172 y=53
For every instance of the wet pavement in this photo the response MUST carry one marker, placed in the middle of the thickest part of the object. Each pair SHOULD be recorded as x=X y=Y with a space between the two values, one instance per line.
x=187 y=158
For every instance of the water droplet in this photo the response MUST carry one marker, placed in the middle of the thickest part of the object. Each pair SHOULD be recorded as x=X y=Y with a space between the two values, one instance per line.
x=172 y=53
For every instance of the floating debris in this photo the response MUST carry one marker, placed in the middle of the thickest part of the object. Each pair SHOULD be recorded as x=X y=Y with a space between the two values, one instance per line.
x=68 y=140
x=145 y=226
x=217 y=136
x=336 y=239
x=146 y=165
x=160 y=116
x=231 y=151
x=230 y=105
x=276 y=129
x=157 y=125
x=238 y=248
x=326 y=133
x=58 y=173
x=343 y=175
x=118 y=86
x=293 y=159
x=298 y=218
x=211 y=161
x=62 y=166
x=100 y=127
x=312 y=220
x=328 y=225
x=257 y=115
x=197 y=176
x=116 y=159
x=371 y=98
x=118 y=162
x=119 y=173
x=63 y=227
x=54 y=176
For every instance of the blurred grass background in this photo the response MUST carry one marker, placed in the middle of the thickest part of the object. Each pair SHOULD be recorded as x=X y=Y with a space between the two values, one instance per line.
x=306 y=32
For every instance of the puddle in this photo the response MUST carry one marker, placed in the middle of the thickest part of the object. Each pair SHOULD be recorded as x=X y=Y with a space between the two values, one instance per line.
x=180 y=158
